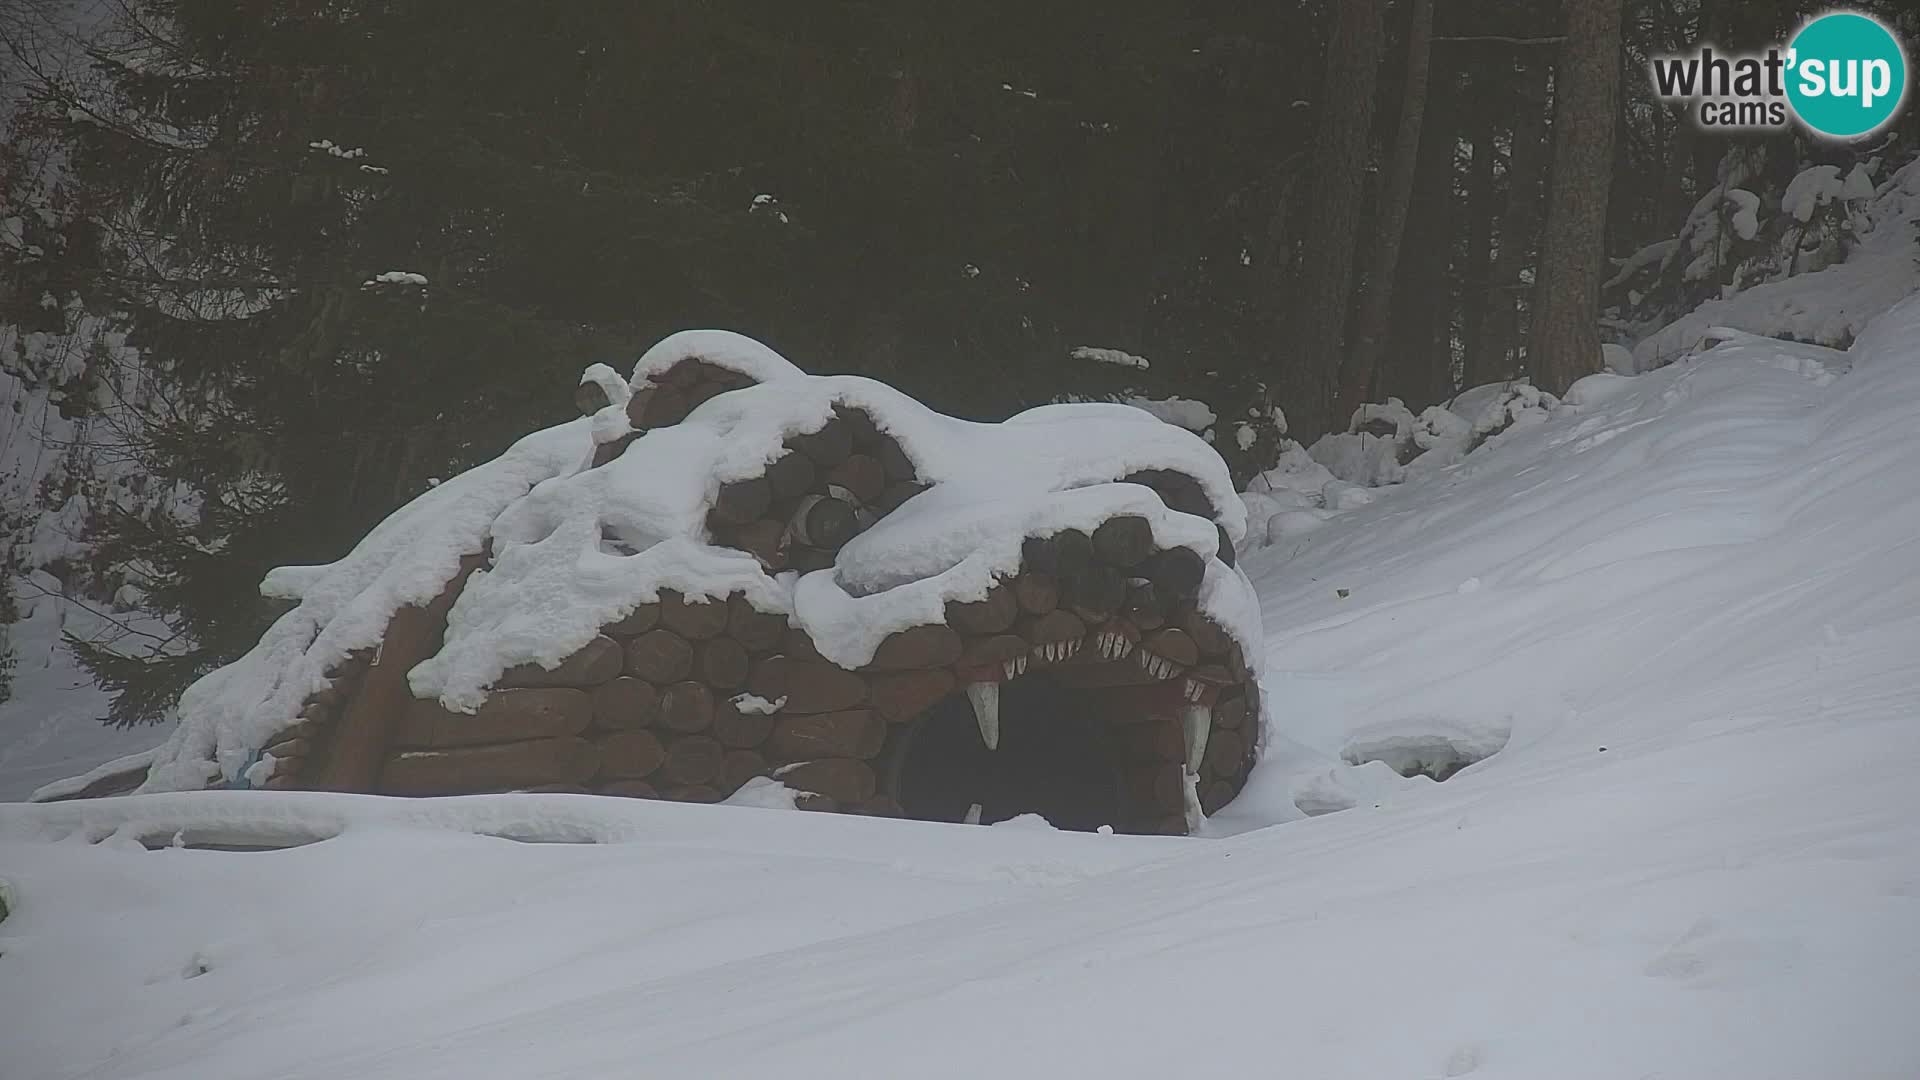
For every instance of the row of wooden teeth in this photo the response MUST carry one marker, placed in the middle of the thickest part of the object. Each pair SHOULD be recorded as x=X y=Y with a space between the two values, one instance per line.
x=1113 y=645
x=1157 y=666
x=1054 y=652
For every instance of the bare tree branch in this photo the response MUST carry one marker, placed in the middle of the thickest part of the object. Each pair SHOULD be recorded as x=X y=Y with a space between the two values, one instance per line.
x=1503 y=39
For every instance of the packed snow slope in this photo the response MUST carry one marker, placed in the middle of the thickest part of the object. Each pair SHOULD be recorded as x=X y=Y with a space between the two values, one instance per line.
x=1678 y=623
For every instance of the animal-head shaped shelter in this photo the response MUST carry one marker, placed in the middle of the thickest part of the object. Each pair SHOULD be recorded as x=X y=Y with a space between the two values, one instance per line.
x=728 y=569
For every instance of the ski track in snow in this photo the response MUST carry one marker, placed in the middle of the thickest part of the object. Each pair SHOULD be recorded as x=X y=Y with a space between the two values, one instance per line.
x=1687 y=615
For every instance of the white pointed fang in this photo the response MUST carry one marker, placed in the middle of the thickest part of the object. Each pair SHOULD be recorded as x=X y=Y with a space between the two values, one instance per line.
x=1006 y=670
x=1068 y=649
x=1199 y=721
x=973 y=815
x=1020 y=665
x=985 y=697
x=1192 y=690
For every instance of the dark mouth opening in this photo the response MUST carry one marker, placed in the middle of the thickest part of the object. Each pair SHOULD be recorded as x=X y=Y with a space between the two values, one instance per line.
x=1058 y=757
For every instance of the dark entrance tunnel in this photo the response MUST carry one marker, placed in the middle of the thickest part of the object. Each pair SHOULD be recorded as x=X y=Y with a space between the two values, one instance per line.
x=1058 y=757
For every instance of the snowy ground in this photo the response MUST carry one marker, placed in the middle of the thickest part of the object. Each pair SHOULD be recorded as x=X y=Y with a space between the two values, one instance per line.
x=1679 y=623
x=50 y=727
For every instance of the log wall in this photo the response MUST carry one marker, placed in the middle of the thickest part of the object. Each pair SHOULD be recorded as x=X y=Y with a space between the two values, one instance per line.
x=653 y=706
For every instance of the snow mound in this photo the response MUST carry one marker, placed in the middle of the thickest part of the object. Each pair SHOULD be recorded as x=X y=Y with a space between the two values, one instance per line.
x=1433 y=746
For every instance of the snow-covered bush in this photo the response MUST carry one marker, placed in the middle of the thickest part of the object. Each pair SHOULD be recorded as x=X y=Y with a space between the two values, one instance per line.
x=1385 y=443
x=1286 y=499
x=1768 y=219
x=1239 y=418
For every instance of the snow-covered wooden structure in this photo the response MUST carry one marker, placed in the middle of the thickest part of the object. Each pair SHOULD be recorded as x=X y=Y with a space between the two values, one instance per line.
x=729 y=569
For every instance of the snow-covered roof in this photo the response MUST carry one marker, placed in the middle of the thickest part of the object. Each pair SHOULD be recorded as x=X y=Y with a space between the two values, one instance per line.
x=587 y=520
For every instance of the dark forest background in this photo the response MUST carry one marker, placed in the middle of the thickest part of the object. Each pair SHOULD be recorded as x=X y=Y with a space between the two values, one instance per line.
x=1303 y=205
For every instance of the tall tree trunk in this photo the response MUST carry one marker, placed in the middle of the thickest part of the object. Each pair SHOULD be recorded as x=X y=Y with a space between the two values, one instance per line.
x=1480 y=198
x=1519 y=229
x=1324 y=275
x=1715 y=21
x=1376 y=296
x=1565 y=343
x=1419 y=362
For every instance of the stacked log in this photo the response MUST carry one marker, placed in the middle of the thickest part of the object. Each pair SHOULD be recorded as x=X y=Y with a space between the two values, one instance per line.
x=679 y=390
x=664 y=401
x=297 y=753
x=826 y=487
x=691 y=697
x=1177 y=490
x=685 y=698
x=645 y=709
x=827 y=731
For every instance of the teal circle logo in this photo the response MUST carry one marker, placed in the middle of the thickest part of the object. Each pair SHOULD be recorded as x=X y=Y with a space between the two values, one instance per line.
x=1846 y=75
